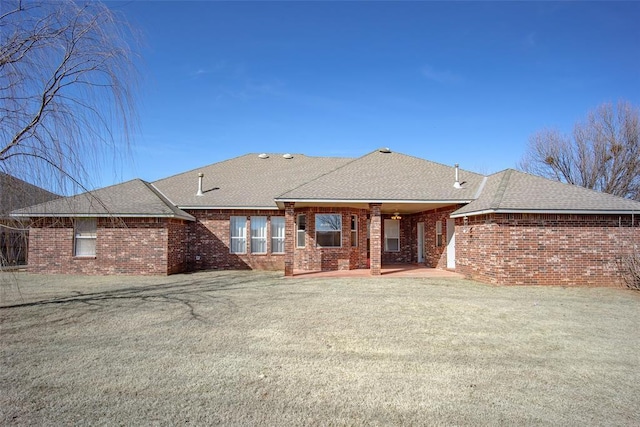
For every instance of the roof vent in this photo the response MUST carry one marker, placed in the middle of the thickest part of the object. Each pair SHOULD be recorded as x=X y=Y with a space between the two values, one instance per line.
x=287 y=156
x=200 y=176
x=385 y=150
x=456 y=183
x=263 y=156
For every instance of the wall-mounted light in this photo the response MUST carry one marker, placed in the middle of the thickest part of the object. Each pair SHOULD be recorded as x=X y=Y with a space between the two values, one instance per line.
x=396 y=216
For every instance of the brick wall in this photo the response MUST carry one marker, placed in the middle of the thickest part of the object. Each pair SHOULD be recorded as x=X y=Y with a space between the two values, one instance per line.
x=209 y=239
x=528 y=249
x=314 y=258
x=123 y=246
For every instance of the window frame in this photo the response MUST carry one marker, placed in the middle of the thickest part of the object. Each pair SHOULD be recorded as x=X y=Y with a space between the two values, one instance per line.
x=80 y=234
x=333 y=231
x=258 y=235
x=242 y=238
x=354 y=231
x=439 y=239
x=387 y=237
x=277 y=220
x=301 y=232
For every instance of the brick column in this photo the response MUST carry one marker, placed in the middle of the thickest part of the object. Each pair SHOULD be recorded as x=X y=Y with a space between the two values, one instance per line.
x=289 y=237
x=375 y=239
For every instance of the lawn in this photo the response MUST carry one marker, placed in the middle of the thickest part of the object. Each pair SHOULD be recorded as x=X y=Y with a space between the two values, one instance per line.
x=254 y=348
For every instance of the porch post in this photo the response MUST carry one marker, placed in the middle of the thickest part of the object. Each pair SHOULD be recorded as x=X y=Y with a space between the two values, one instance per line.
x=376 y=239
x=289 y=237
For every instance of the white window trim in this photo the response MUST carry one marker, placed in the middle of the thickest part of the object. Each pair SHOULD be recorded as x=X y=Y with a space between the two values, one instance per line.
x=354 y=231
x=232 y=237
x=85 y=236
x=340 y=230
x=278 y=238
x=387 y=237
x=439 y=240
x=262 y=238
x=298 y=231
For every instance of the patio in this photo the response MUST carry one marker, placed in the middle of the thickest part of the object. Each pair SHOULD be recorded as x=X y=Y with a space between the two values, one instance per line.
x=390 y=270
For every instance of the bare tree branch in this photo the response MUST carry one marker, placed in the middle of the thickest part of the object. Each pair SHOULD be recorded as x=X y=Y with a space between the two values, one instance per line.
x=603 y=153
x=67 y=82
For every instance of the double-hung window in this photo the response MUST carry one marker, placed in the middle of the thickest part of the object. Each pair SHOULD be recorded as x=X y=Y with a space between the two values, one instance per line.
x=85 y=237
x=238 y=233
x=301 y=230
x=329 y=230
x=391 y=235
x=354 y=230
x=277 y=234
x=258 y=234
x=438 y=233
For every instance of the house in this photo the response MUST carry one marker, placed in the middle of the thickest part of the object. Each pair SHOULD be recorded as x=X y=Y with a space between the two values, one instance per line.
x=14 y=194
x=299 y=213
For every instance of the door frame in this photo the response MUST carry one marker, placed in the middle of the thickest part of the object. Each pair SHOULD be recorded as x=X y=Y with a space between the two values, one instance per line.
x=451 y=243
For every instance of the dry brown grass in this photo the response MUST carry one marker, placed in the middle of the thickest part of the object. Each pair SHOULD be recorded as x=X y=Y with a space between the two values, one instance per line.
x=254 y=348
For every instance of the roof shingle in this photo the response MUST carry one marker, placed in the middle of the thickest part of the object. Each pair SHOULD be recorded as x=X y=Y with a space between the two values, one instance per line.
x=512 y=191
x=132 y=198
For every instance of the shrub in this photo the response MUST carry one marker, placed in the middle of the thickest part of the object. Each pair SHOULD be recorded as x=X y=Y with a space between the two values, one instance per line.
x=631 y=270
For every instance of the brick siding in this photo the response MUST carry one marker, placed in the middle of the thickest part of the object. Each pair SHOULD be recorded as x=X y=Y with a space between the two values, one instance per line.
x=518 y=249
x=542 y=249
x=314 y=258
x=123 y=246
x=209 y=239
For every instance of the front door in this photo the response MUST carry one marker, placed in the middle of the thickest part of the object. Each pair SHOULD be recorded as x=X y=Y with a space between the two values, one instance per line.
x=420 y=241
x=451 y=243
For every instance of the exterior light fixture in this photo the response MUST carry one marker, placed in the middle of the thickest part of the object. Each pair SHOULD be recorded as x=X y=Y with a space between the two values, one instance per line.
x=396 y=216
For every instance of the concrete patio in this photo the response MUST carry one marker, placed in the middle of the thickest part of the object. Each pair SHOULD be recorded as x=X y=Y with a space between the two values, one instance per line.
x=393 y=270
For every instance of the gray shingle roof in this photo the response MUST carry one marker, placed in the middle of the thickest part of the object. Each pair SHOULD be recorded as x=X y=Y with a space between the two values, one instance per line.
x=252 y=182
x=389 y=176
x=515 y=191
x=135 y=198
x=245 y=181
x=16 y=193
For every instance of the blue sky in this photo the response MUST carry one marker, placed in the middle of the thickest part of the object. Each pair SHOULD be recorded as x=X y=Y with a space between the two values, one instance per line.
x=455 y=82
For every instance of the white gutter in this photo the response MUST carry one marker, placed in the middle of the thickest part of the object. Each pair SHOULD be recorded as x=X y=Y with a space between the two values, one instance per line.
x=101 y=215
x=543 y=211
x=262 y=208
x=371 y=201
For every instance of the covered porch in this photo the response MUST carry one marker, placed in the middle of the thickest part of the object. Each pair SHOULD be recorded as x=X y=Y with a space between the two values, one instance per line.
x=410 y=238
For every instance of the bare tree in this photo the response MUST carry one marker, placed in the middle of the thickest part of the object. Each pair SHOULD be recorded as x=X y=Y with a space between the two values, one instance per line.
x=603 y=153
x=67 y=79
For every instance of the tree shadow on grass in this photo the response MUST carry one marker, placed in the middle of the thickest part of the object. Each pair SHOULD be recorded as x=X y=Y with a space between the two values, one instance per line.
x=193 y=292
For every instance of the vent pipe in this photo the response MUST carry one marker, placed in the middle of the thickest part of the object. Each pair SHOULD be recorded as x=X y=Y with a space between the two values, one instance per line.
x=456 y=183
x=200 y=176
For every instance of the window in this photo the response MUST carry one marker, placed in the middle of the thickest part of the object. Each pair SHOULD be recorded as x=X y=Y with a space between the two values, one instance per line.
x=85 y=237
x=354 y=230
x=258 y=234
x=329 y=230
x=301 y=230
x=277 y=234
x=238 y=234
x=438 y=233
x=391 y=235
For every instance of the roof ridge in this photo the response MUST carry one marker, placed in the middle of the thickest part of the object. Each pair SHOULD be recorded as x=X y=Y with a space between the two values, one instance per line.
x=165 y=200
x=502 y=188
x=324 y=174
